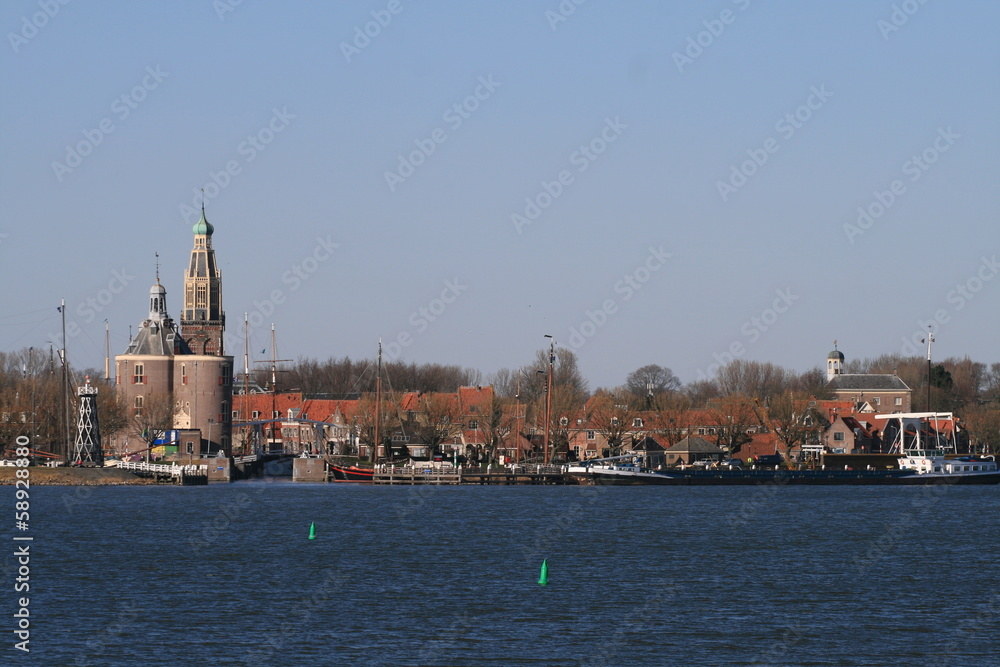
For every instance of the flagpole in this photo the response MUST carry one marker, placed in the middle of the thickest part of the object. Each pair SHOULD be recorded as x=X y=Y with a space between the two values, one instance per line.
x=65 y=362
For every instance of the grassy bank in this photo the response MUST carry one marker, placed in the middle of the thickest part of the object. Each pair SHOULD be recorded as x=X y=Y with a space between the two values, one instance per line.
x=64 y=476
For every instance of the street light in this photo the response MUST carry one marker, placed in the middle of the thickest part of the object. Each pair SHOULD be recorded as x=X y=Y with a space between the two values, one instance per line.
x=208 y=445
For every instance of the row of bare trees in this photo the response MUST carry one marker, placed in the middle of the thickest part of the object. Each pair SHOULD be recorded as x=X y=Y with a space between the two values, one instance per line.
x=31 y=397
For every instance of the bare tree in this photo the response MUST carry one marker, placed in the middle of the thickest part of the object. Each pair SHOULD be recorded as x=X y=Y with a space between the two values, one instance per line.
x=152 y=415
x=754 y=379
x=733 y=416
x=611 y=414
x=437 y=425
x=792 y=419
x=673 y=414
x=983 y=423
x=651 y=381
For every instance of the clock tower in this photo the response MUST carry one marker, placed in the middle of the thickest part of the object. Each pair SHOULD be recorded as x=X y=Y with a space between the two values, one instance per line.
x=203 y=322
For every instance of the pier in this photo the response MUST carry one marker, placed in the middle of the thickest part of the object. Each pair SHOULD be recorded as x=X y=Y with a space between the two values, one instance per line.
x=189 y=475
x=427 y=474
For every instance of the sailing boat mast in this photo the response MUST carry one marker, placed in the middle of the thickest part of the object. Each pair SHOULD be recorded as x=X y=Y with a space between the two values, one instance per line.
x=378 y=401
x=107 y=352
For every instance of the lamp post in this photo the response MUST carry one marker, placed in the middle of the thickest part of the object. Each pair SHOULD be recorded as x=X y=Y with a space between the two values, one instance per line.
x=208 y=445
x=930 y=339
x=548 y=397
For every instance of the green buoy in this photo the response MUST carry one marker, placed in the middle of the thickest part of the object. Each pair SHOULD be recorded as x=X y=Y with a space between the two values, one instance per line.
x=543 y=576
x=312 y=531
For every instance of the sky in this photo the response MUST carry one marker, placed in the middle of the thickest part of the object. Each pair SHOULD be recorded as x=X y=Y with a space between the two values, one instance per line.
x=679 y=183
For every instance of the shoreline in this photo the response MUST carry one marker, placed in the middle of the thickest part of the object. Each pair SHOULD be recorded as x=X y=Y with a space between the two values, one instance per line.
x=69 y=476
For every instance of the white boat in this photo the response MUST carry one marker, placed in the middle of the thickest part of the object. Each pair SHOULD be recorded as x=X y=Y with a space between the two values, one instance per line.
x=925 y=439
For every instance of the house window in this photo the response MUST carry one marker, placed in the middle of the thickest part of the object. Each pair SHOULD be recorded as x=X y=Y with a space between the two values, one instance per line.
x=563 y=421
x=474 y=424
x=614 y=421
x=701 y=431
x=138 y=406
x=637 y=423
x=878 y=401
x=839 y=436
x=590 y=435
x=897 y=401
x=138 y=377
x=236 y=414
x=255 y=414
x=275 y=414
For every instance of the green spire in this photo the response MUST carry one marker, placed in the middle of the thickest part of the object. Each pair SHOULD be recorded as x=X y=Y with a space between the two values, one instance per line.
x=203 y=227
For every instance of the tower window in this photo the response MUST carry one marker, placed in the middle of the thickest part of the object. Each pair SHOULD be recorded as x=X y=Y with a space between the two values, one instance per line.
x=138 y=377
x=184 y=377
x=138 y=406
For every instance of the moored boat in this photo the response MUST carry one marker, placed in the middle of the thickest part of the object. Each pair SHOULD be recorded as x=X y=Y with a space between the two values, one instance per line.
x=351 y=473
x=925 y=441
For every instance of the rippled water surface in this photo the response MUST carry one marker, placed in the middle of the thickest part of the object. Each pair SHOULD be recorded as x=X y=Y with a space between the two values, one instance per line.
x=225 y=575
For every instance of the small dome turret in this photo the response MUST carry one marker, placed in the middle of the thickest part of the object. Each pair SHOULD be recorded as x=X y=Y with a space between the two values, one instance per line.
x=203 y=227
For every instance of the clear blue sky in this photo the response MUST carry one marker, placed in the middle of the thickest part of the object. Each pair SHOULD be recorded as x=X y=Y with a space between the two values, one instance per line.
x=663 y=121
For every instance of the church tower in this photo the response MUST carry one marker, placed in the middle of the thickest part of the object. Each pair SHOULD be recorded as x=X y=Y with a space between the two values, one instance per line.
x=202 y=321
x=834 y=363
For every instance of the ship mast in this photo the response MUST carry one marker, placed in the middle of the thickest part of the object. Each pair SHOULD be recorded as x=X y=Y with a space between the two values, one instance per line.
x=378 y=401
x=548 y=398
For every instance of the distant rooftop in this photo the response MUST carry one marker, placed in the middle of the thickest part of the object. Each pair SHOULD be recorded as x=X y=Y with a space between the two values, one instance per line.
x=864 y=382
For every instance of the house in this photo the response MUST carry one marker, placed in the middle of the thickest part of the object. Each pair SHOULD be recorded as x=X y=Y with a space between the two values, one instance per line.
x=881 y=392
x=848 y=434
x=692 y=449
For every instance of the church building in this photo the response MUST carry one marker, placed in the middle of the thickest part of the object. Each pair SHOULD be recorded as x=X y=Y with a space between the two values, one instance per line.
x=882 y=393
x=185 y=366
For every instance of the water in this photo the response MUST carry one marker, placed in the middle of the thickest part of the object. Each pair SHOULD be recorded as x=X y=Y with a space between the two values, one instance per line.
x=225 y=575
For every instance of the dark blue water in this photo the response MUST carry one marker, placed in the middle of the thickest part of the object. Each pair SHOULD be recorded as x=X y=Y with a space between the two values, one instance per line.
x=225 y=575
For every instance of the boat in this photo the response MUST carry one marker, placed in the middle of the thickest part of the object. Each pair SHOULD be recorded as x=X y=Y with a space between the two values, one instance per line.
x=355 y=473
x=927 y=444
x=926 y=456
x=624 y=473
